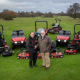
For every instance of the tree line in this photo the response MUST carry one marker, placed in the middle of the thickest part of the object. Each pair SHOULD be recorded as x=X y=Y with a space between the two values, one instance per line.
x=73 y=11
x=35 y=14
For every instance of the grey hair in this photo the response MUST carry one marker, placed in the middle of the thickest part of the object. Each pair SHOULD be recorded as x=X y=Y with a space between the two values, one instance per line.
x=43 y=31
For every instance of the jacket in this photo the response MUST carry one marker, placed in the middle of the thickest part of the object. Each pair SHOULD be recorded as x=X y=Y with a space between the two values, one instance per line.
x=31 y=42
x=44 y=44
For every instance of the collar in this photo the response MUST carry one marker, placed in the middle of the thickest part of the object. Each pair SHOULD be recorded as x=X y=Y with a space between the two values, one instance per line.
x=43 y=37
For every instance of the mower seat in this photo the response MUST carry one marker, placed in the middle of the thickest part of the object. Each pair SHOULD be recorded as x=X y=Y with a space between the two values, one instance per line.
x=68 y=33
x=21 y=33
x=59 y=26
x=14 y=33
x=60 y=32
x=56 y=25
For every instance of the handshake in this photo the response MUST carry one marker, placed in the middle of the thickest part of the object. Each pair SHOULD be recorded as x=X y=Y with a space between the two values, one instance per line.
x=35 y=47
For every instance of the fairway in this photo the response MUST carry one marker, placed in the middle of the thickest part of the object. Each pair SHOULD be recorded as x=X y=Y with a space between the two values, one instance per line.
x=66 y=68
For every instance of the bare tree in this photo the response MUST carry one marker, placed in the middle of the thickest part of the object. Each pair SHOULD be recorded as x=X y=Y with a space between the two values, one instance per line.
x=73 y=10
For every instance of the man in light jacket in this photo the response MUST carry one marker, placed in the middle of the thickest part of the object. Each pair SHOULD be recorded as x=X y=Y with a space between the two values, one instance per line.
x=44 y=43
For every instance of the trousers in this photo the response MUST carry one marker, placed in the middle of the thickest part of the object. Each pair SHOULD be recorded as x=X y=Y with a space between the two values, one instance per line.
x=46 y=59
x=32 y=58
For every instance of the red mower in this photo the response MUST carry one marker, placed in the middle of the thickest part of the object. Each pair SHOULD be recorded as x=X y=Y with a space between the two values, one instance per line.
x=38 y=32
x=18 y=38
x=23 y=54
x=4 y=49
x=56 y=27
x=55 y=52
x=73 y=47
x=63 y=38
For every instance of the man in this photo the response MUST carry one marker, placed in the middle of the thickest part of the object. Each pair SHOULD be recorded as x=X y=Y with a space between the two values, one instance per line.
x=31 y=42
x=44 y=43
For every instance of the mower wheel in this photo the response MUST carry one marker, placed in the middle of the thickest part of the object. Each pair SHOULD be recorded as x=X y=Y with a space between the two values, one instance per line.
x=18 y=57
x=13 y=47
x=74 y=53
x=26 y=58
x=61 y=56
x=25 y=45
x=52 y=57
x=56 y=43
x=1 y=54
x=65 y=53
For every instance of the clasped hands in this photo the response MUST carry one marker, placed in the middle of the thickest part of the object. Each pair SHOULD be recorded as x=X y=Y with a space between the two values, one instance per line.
x=35 y=47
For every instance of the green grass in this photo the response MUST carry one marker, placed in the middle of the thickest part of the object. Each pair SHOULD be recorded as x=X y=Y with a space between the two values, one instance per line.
x=66 y=68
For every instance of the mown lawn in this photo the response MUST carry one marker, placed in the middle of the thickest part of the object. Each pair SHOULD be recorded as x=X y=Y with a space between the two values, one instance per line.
x=66 y=68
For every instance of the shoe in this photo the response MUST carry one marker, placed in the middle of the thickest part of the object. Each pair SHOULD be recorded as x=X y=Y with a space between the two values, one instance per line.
x=42 y=66
x=46 y=68
x=35 y=65
x=30 y=66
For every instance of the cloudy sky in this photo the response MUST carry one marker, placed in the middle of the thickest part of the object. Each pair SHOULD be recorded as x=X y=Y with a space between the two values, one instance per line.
x=54 y=6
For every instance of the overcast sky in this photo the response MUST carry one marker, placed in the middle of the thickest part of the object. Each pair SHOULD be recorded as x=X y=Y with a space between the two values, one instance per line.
x=54 y=6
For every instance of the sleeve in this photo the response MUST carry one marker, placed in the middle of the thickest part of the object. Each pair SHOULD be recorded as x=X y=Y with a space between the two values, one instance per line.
x=29 y=44
x=38 y=43
x=49 y=43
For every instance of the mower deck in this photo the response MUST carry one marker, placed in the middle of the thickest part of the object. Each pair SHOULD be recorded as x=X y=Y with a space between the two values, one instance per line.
x=70 y=51
x=56 y=55
x=22 y=54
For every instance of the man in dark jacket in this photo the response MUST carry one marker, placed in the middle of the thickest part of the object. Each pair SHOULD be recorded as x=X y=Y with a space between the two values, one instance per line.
x=44 y=43
x=31 y=42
